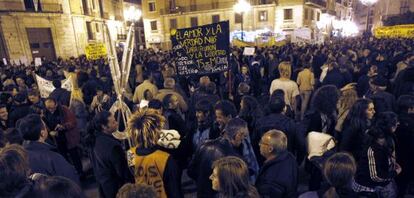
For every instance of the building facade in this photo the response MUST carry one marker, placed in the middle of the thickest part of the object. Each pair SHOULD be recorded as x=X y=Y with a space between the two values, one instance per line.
x=55 y=28
x=381 y=11
x=160 y=16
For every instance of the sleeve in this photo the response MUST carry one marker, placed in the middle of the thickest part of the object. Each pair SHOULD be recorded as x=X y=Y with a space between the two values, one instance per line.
x=193 y=166
x=172 y=179
x=183 y=103
x=120 y=164
x=70 y=119
x=378 y=167
x=64 y=169
x=272 y=87
x=347 y=136
x=298 y=81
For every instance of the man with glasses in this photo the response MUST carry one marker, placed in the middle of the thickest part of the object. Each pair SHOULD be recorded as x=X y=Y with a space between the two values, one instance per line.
x=279 y=175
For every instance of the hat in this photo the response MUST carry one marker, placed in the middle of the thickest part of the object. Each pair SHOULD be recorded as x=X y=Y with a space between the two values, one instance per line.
x=379 y=81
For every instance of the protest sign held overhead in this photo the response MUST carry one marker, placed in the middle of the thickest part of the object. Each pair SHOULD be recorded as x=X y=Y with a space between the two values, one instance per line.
x=95 y=51
x=201 y=50
x=46 y=86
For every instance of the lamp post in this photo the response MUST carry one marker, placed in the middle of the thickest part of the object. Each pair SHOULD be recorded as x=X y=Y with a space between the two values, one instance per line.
x=241 y=7
x=369 y=4
x=132 y=15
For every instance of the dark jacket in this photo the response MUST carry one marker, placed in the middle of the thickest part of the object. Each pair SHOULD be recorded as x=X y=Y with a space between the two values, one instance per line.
x=18 y=112
x=61 y=95
x=352 y=139
x=200 y=166
x=293 y=131
x=405 y=145
x=110 y=165
x=278 y=177
x=375 y=167
x=42 y=159
x=334 y=77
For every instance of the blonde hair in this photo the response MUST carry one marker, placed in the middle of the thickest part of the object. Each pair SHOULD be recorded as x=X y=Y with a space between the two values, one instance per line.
x=145 y=126
x=285 y=69
x=347 y=99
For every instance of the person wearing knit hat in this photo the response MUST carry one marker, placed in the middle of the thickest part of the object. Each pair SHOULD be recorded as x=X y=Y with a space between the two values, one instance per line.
x=378 y=85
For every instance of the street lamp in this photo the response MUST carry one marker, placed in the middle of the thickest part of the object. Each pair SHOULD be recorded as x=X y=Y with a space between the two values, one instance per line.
x=368 y=3
x=132 y=14
x=241 y=7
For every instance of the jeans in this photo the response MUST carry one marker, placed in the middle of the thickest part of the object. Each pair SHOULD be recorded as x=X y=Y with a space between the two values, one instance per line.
x=305 y=97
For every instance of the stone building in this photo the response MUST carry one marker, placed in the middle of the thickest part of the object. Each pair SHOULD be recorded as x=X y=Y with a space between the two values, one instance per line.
x=160 y=16
x=55 y=28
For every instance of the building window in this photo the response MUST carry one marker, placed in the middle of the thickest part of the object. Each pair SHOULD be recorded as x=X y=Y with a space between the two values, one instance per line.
x=215 y=4
x=288 y=14
x=318 y=16
x=215 y=18
x=237 y=18
x=172 y=4
x=312 y=15
x=153 y=25
x=89 y=30
x=262 y=15
x=97 y=27
x=193 y=5
x=194 y=21
x=404 y=7
x=173 y=24
x=151 y=6
x=306 y=14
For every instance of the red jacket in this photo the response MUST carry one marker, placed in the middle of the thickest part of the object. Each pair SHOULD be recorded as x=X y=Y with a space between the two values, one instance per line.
x=72 y=133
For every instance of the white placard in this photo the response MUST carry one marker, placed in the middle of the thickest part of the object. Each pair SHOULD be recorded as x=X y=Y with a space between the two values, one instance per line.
x=4 y=61
x=38 y=61
x=46 y=86
x=249 y=51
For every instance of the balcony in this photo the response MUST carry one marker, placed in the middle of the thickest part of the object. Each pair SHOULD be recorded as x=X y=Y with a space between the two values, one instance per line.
x=9 y=6
x=316 y=3
x=203 y=7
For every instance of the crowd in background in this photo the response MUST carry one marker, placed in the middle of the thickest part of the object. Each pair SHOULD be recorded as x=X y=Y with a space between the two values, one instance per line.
x=244 y=132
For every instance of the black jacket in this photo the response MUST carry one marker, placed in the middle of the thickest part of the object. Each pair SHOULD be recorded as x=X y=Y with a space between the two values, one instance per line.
x=334 y=77
x=200 y=166
x=293 y=131
x=405 y=145
x=42 y=159
x=18 y=112
x=110 y=165
x=278 y=177
x=375 y=167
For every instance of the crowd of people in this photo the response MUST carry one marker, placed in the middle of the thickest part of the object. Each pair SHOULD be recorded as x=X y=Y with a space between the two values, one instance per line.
x=343 y=111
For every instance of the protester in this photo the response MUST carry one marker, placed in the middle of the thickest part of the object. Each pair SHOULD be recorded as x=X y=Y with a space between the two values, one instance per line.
x=107 y=156
x=42 y=158
x=230 y=178
x=151 y=165
x=136 y=191
x=278 y=176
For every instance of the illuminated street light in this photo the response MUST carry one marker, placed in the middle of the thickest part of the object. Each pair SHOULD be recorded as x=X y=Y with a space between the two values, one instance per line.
x=241 y=7
x=368 y=3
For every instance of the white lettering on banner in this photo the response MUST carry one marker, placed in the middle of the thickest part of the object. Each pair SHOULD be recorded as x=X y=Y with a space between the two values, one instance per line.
x=46 y=86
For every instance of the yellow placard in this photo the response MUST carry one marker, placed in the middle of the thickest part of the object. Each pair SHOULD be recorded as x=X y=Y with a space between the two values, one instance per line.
x=398 y=31
x=95 y=51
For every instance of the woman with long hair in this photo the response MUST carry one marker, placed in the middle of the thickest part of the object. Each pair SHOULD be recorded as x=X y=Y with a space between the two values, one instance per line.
x=339 y=171
x=377 y=167
x=355 y=125
x=231 y=179
x=250 y=111
x=348 y=97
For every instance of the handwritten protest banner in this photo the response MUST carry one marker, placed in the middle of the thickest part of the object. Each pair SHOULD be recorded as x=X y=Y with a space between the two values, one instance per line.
x=95 y=51
x=46 y=86
x=201 y=50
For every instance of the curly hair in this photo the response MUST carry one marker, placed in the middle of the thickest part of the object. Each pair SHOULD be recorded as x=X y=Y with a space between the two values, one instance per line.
x=144 y=126
x=325 y=99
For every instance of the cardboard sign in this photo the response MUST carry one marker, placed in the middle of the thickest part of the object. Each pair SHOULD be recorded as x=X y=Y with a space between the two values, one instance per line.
x=249 y=51
x=95 y=51
x=201 y=50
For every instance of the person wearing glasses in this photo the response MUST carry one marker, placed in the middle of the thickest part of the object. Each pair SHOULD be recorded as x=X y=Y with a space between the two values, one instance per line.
x=278 y=176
